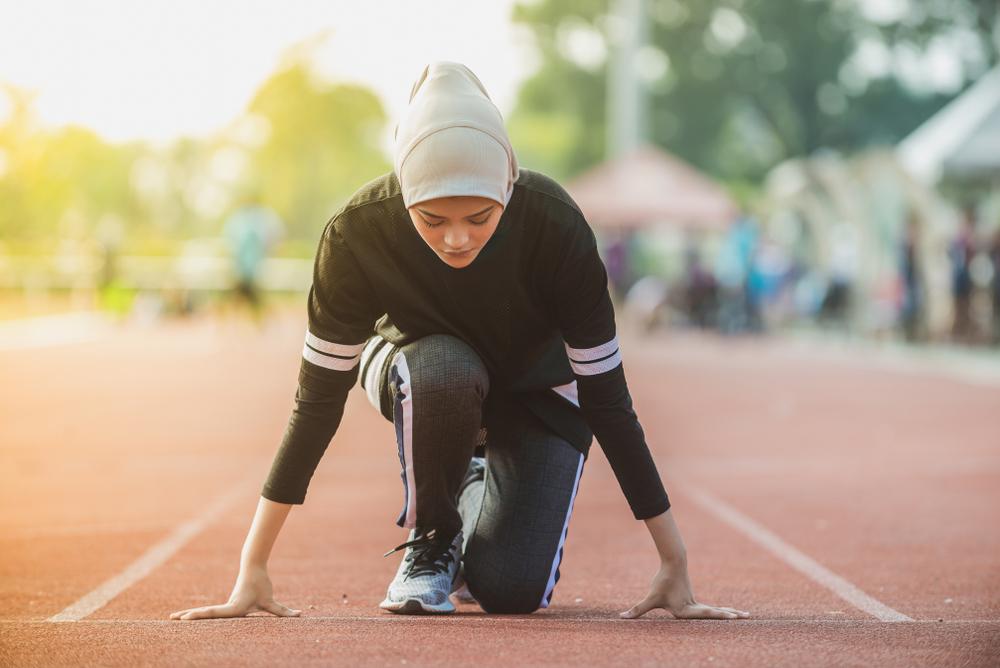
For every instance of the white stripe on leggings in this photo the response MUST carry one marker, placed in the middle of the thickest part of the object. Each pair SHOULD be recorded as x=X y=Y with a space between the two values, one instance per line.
x=562 y=538
x=406 y=447
x=370 y=382
x=366 y=352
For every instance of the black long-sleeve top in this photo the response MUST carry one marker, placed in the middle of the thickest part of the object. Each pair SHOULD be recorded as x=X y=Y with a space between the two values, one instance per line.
x=534 y=304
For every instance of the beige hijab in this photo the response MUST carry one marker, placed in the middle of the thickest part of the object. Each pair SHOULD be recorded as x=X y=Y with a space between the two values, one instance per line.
x=451 y=140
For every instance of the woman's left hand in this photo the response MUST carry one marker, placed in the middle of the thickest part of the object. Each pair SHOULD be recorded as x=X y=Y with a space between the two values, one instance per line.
x=671 y=590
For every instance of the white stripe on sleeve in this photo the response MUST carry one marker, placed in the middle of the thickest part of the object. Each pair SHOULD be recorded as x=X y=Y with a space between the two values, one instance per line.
x=330 y=355
x=584 y=360
x=333 y=348
x=591 y=354
x=327 y=362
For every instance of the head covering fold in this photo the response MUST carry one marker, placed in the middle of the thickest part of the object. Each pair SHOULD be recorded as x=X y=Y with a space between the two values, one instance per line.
x=451 y=141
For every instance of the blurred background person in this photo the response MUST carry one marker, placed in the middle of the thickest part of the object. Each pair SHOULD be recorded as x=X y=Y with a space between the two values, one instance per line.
x=700 y=288
x=960 y=253
x=838 y=301
x=112 y=293
x=647 y=303
x=911 y=275
x=732 y=272
x=251 y=231
x=994 y=255
x=617 y=261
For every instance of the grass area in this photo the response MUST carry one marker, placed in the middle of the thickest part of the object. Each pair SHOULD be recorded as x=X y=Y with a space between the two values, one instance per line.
x=17 y=305
x=117 y=300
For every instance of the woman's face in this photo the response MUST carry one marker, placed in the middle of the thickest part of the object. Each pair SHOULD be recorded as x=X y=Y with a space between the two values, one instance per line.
x=456 y=228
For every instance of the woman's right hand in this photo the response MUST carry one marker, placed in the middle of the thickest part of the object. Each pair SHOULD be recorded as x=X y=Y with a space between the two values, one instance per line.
x=252 y=592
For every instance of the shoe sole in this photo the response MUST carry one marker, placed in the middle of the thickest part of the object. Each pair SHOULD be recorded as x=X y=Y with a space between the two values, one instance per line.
x=414 y=606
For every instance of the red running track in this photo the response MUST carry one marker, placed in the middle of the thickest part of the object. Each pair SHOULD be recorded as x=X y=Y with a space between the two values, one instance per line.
x=810 y=487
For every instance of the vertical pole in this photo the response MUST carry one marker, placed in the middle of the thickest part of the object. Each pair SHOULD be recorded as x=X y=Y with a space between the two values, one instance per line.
x=626 y=96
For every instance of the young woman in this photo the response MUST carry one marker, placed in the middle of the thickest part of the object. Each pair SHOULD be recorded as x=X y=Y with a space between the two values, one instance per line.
x=469 y=297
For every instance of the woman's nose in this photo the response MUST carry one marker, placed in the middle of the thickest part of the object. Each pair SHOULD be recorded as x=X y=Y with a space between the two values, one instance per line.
x=456 y=238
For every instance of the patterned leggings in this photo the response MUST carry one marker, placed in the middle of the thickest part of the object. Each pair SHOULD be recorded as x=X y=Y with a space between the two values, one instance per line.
x=514 y=522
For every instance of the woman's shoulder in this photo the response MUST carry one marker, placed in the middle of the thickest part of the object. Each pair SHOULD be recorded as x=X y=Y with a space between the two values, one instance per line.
x=540 y=188
x=551 y=212
x=380 y=190
x=368 y=206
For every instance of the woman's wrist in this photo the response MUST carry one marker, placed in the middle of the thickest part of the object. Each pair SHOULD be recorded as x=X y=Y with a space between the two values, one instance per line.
x=263 y=532
x=254 y=554
x=253 y=564
x=667 y=538
x=674 y=559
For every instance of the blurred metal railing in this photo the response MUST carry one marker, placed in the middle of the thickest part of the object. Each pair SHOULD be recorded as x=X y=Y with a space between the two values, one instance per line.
x=190 y=272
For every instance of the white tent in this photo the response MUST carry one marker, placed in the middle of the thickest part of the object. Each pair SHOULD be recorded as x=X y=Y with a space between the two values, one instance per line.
x=962 y=139
x=648 y=186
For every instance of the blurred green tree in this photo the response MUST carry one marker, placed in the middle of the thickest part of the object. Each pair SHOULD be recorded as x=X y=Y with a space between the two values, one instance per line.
x=735 y=86
x=59 y=181
x=316 y=144
x=323 y=142
x=927 y=21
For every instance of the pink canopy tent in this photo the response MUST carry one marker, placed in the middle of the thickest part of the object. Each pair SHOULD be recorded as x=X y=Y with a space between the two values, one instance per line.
x=649 y=186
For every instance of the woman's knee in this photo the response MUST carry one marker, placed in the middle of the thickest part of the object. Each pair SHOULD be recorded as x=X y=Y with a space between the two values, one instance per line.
x=505 y=599
x=502 y=585
x=444 y=368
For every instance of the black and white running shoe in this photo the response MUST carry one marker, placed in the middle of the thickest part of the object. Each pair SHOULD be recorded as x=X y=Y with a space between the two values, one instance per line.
x=426 y=575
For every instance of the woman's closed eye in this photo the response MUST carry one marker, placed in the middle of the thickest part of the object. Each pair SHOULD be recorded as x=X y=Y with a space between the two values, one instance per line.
x=440 y=222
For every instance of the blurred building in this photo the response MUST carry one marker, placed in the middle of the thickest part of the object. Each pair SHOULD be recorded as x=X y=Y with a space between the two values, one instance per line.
x=843 y=218
x=962 y=140
x=649 y=187
x=655 y=205
x=656 y=217
x=958 y=151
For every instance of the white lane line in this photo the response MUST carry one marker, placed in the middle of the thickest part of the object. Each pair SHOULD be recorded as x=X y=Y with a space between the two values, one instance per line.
x=53 y=330
x=795 y=558
x=22 y=533
x=653 y=617
x=148 y=562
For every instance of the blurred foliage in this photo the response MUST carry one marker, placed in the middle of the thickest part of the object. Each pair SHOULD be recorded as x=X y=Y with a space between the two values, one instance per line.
x=323 y=143
x=735 y=86
x=929 y=20
x=302 y=147
x=55 y=182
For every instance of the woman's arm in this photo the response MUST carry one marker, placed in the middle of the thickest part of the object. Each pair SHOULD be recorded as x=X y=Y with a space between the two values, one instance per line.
x=671 y=587
x=341 y=313
x=253 y=590
x=267 y=523
x=313 y=422
x=585 y=315
x=667 y=538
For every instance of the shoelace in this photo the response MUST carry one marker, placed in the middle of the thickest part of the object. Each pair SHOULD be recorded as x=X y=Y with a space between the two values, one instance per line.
x=429 y=555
